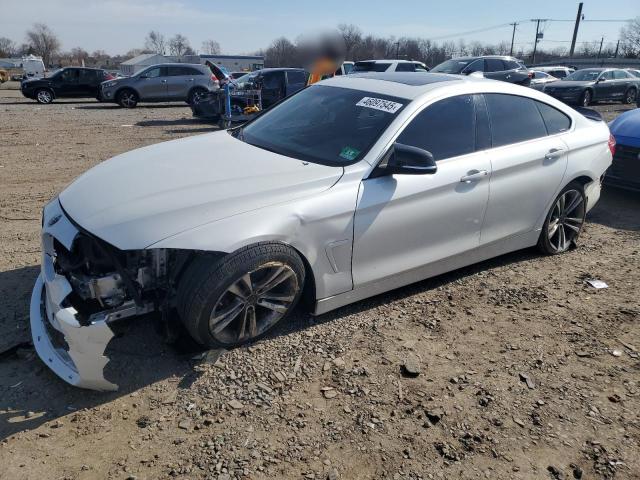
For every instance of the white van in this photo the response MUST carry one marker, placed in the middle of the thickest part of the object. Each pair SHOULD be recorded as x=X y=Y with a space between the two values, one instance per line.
x=33 y=66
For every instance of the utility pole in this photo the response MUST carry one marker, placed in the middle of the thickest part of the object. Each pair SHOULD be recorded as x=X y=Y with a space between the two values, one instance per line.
x=600 y=50
x=397 y=50
x=575 y=30
x=513 y=37
x=535 y=44
x=615 y=55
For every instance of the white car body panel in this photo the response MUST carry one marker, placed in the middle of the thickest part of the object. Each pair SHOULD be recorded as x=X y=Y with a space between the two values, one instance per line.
x=359 y=236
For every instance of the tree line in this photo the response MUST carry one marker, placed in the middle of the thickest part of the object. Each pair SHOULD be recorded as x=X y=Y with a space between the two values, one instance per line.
x=282 y=52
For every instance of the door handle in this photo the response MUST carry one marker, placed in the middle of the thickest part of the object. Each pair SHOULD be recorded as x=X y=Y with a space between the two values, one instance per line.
x=190 y=80
x=475 y=176
x=553 y=153
x=163 y=81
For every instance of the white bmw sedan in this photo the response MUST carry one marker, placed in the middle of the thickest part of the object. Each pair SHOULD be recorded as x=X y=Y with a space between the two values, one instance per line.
x=352 y=187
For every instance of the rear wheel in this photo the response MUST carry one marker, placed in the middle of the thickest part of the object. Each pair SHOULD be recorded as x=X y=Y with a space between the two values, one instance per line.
x=195 y=95
x=630 y=96
x=564 y=221
x=127 y=98
x=238 y=298
x=586 y=98
x=44 y=96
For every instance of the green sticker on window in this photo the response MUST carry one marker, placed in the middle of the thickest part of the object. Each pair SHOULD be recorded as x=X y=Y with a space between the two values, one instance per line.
x=349 y=153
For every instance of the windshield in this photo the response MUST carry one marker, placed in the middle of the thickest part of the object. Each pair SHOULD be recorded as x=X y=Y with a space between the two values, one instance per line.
x=370 y=67
x=247 y=81
x=450 y=66
x=327 y=125
x=54 y=73
x=584 y=75
x=347 y=67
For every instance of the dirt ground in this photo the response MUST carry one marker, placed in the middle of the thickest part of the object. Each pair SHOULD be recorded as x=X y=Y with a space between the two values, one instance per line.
x=526 y=372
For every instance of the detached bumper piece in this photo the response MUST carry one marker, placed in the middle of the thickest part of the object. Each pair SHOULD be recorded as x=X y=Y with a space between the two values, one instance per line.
x=71 y=345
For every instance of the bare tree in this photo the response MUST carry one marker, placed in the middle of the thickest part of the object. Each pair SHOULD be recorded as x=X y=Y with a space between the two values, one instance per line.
x=630 y=38
x=179 y=46
x=352 y=36
x=78 y=55
x=8 y=47
x=281 y=53
x=43 y=42
x=155 y=42
x=210 y=47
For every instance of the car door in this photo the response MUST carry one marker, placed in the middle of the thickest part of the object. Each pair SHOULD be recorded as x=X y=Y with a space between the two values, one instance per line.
x=65 y=84
x=494 y=68
x=403 y=222
x=152 y=84
x=622 y=82
x=180 y=80
x=528 y=161
x=604 y=88
x=87 y=82
x=273 y=87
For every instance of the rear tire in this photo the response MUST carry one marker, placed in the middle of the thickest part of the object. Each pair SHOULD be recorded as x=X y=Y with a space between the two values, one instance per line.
x=630 y=96
x=127 y=98
x=238 y=298
x=586 y=98
x=564 y=221
x=44 y=96
x=195 y=95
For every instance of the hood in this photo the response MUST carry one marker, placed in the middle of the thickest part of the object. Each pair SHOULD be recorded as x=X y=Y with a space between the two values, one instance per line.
x=626 y=128
x=143 y=196
x=571 y=83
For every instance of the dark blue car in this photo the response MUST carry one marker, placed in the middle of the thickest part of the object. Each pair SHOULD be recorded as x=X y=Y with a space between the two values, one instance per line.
x=625 y=170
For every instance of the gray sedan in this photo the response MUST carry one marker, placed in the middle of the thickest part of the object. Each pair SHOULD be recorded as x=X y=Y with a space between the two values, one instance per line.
x=351 y=187
x=160 y=83
x=595 y=84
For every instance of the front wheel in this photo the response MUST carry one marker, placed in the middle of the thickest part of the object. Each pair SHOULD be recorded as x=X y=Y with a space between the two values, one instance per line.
x=564 y=221
x=196 y=95
x=44 y=96
x=127 y=99
x=236 y=299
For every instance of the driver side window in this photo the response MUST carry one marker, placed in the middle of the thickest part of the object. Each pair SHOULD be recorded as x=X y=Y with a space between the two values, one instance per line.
x=70 y=76
x=475 y=66
x=446 y=128
x=153 y=73
x=607 y=75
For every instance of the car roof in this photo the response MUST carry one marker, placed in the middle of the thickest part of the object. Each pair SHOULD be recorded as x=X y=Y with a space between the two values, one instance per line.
x=281 y=69
x=477 y=57
x=388 y=60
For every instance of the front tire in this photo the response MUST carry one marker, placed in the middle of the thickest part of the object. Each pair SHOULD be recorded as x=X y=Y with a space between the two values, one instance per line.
x=44 y=96
x=564 y=221
x=238 y=298
x=127 y=98
x=586 y=98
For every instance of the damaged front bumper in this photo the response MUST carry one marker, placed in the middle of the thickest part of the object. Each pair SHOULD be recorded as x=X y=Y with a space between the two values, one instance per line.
x=71 y=345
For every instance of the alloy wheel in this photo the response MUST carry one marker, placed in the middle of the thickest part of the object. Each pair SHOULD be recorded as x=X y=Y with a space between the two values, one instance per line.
x=586 y=98
x=128 y=99
x=253 y=303
x=44 y=96
x=566 y=220
x=630 y=97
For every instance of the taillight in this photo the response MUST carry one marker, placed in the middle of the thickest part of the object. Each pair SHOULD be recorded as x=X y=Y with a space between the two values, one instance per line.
x=530 y=74
x=612 y=144
x=214 y=78
x=109 y=77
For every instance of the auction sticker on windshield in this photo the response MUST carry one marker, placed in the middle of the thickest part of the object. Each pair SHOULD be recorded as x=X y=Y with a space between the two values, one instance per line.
x=379 y=104
x=349 y=153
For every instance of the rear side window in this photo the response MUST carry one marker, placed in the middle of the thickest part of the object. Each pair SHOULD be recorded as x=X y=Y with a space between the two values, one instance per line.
x=370 y=67
x=405 y=67
x=273 y=80
x=419 y=68
x=493 y=65
x=513 y=119
x=554 y=119
x=446 y=128
x=620 y=74
x=558 y=73
x=88 y=76
x=296 y=77
x=183 y=71
x=511 y=65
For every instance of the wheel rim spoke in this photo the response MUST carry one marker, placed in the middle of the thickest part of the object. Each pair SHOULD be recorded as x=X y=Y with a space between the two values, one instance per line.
x=280 y=275
x=575 y=203
x=572 y=227
x=224 y=318
x=276 y=307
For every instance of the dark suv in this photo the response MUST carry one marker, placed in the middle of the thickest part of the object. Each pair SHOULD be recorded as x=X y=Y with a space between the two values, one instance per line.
x=68 y=82
x=274 y=84
x=496 y=67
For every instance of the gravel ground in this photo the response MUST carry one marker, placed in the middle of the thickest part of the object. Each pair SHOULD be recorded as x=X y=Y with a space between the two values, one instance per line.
x=511 y=369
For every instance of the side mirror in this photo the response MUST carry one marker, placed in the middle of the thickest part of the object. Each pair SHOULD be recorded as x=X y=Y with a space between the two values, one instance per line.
x=601 y=80
x=408 y=160
x=143 y=76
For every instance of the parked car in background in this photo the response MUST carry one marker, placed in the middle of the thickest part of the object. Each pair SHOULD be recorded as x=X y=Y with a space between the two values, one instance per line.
x=540 y=79
x=68 y=82
x=345 y=68
x=237 y=75
x=161 y=83
x=556 y=71
x=595 y=84
x=274 y=84
x=495 y=67
x=388 y=66
x=625 y=170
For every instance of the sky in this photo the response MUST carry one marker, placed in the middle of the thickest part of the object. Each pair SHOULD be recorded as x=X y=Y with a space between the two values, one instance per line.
x=245 y=26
